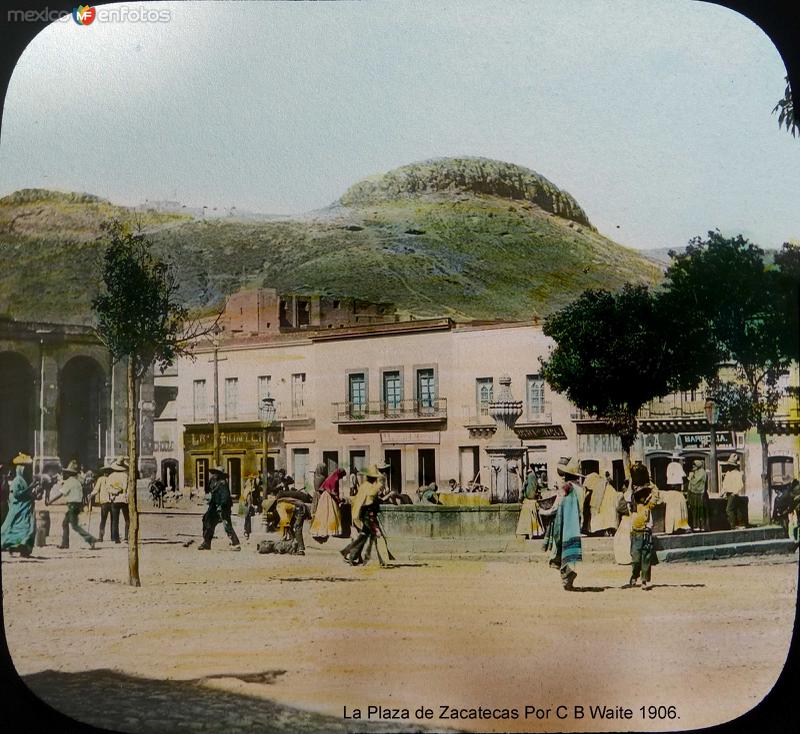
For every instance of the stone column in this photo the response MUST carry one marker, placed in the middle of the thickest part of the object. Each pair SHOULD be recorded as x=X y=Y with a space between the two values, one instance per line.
x=49 y=406
x=118 y=440
x=147 y=406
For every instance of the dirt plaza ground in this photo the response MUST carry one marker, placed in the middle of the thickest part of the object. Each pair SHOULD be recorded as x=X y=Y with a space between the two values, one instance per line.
x=220 y=641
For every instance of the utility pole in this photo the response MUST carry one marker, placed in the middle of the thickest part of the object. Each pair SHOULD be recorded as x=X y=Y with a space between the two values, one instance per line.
x=712 y=416
x=216 y=402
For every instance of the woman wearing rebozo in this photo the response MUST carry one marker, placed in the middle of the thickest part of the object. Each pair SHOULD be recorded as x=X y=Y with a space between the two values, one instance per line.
x=18 y=532
x=327 y=520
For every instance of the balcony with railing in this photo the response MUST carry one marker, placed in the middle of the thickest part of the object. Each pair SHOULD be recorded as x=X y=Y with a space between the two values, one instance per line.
x=400 y=411
x=298 y=414
x=577 y=415
x=676 y=406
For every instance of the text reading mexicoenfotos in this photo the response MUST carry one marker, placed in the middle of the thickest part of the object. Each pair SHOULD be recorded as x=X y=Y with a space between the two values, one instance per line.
x=444 y=711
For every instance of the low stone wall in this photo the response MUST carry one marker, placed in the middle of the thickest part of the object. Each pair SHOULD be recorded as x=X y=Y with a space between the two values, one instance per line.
x=435 y=521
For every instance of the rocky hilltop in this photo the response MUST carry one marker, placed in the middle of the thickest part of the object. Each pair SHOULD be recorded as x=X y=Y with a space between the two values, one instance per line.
x=469 y=238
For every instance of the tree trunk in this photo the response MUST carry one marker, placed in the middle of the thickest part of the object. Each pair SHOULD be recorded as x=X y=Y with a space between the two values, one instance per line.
x=626 y=461
x=765 y=511
x=133 y=449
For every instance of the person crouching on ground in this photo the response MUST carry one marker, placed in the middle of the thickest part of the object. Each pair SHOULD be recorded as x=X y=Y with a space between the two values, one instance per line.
x=299 y=502
x=563 y=538
x=643 y=552
x=219 y=509
x=18 y=531
x=71 y=490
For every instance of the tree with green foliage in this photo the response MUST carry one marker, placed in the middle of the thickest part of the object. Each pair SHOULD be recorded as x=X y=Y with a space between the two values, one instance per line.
x=786 y=113
x=141 y=323
x=748 y=311
x=614 y=353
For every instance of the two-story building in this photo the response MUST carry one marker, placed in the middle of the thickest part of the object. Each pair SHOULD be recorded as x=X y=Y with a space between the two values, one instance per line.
x=415 y=394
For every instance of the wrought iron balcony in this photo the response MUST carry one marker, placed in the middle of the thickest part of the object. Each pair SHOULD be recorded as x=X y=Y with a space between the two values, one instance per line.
x=378 y=411
x=582 y=416
x=673 y=407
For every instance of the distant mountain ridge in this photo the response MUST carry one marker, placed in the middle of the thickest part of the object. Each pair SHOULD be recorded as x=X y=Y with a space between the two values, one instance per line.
x=468 y=238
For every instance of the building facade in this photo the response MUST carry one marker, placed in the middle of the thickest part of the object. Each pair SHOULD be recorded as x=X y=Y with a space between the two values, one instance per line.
x=61 y=398
x=416 y=394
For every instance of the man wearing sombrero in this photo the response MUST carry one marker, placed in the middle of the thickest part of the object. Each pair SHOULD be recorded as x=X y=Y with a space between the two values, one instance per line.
x=732 y=489
x=563 y=537
x=71 y=490
x=219 y=509
x=102 y=493
x=364 y=513
x=117 y=484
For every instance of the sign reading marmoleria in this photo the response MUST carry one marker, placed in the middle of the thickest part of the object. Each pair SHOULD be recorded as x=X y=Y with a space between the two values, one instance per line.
x=703 y=440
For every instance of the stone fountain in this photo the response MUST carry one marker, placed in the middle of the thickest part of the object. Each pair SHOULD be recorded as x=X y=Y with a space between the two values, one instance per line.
x=505 y=448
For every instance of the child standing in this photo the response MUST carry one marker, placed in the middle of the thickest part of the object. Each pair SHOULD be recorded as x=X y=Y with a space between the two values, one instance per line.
x=643 y=553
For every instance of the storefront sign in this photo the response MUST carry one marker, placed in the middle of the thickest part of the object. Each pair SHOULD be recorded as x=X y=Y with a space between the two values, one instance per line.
x=233 y=439
x=544 y=433
x=598 y=443
x=703 y=440
x=410 y=437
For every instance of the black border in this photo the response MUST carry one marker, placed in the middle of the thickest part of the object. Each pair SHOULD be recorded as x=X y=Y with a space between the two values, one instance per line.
x=776 y=714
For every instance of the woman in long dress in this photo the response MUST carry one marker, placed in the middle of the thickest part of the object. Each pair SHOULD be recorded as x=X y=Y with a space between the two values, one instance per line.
x=676 y=513
x=622 y=538
x=528 y=522
x=603 y=505
x=327 y=520
x=18 y=531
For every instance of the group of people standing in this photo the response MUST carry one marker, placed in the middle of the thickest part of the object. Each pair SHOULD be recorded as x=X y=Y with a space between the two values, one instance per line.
x=286 y=508
x=634 y=538
x=107 y=487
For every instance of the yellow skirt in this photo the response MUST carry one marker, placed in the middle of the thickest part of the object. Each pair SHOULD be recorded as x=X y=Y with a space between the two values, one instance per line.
x=285 y=512
x=327 y=520
x=527 y=523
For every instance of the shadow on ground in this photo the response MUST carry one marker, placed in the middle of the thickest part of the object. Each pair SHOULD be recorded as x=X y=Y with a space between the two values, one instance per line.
x=118 y=702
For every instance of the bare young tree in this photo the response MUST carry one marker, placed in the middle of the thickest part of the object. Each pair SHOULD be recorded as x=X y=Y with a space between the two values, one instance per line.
x=141 y=322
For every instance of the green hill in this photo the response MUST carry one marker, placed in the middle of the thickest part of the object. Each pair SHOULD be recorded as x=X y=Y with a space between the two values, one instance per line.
x=469 y=238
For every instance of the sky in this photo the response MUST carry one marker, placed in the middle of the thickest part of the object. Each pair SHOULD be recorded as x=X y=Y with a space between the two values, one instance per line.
x=655 y=116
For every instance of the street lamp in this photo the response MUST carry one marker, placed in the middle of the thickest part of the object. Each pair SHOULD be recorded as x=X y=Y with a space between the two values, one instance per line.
x=712 y=416
x=266 y=414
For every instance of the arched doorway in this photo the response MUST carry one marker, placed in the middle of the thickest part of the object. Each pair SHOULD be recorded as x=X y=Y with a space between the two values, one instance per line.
x=82 y=412
x=17 y=405
x=169 y=473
